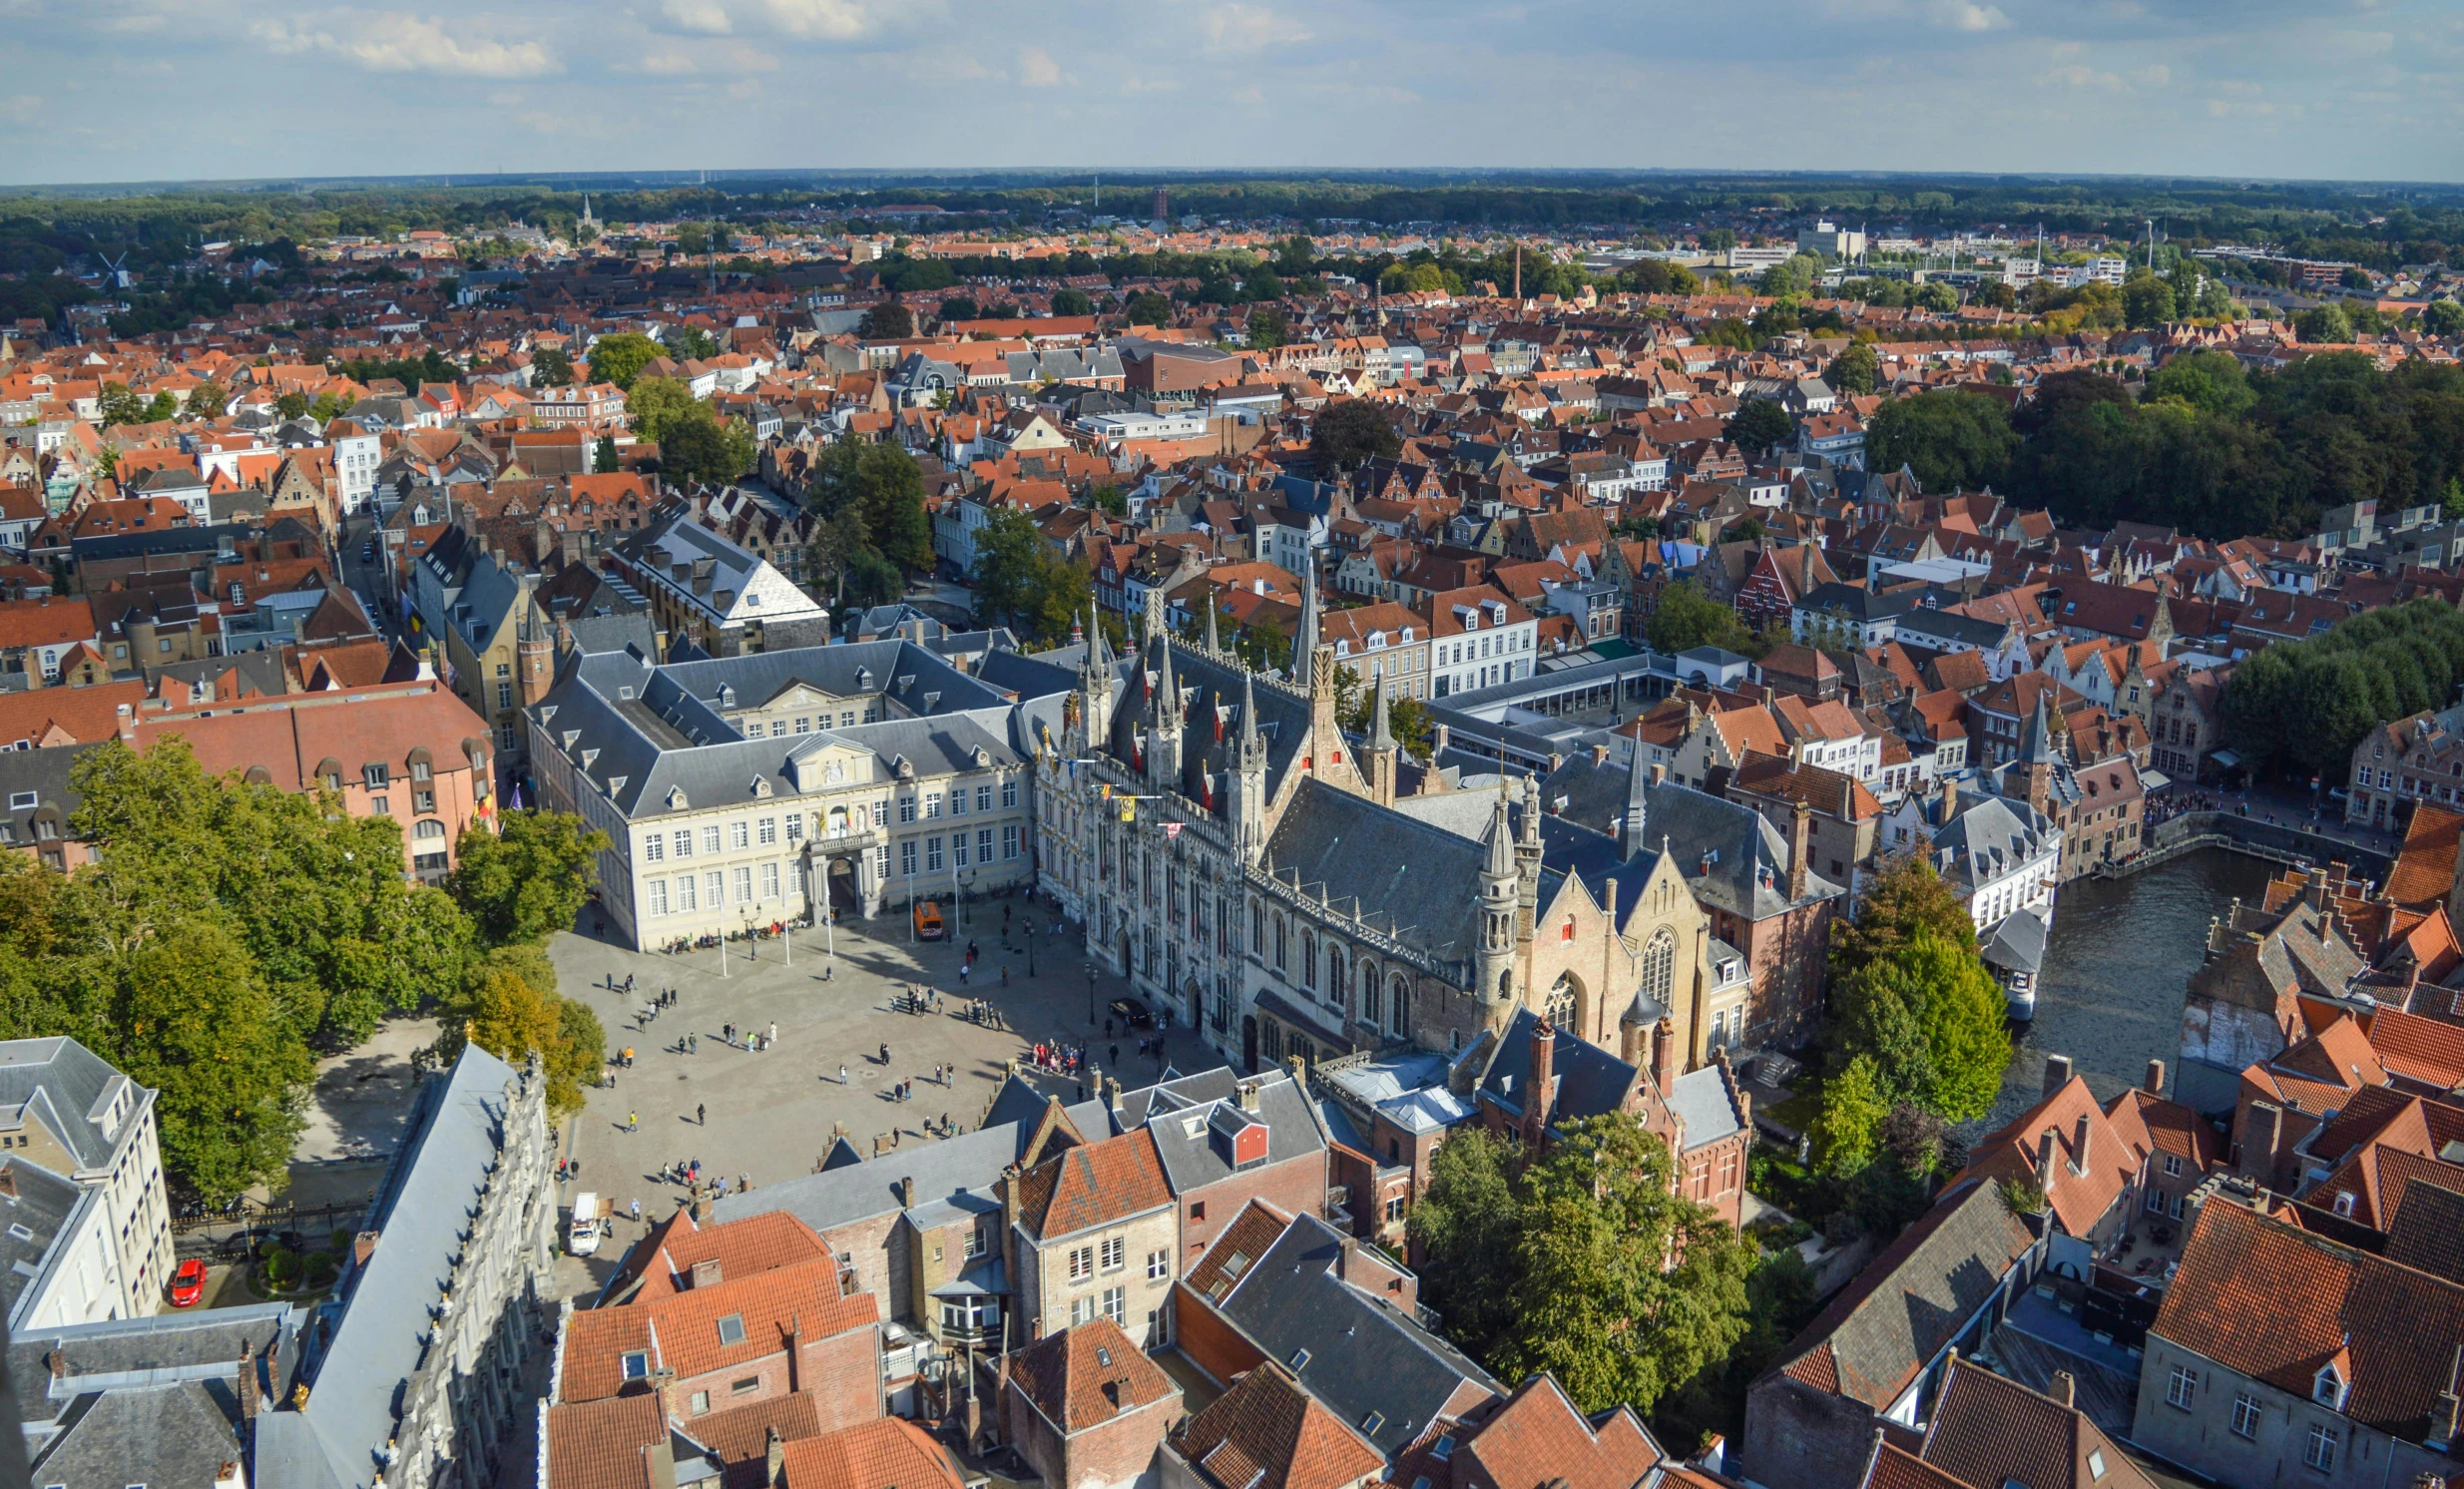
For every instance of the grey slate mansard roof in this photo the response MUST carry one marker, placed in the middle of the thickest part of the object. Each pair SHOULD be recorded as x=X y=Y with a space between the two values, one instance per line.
x=1413 y=880
x=43 y=1205
x=340 y=1437
x=150 y=1400
x=1362 y=1355
x=1193 y=1163
x=648 y=730
x=1744 y=844
x=71 y=1084
x=1208 y=685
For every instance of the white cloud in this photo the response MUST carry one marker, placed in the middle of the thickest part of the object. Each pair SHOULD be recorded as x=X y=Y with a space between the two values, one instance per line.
x=826 y=20
x=667 y=65
x=2153 y=77
x=708 y=17
x=1036 y=68
x=402 y=43
x=1966 y=15
x=21 y=108
x=1251 y=28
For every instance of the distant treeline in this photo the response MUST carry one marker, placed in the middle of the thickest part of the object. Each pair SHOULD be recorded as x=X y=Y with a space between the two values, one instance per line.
x=2309 y=703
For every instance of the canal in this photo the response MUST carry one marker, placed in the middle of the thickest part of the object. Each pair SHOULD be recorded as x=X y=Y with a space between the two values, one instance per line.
x=2110 y=996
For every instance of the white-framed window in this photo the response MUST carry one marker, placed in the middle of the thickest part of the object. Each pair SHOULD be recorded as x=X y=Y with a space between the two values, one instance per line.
x=1083 y=1311
x=713 y=889
x=881 y=814
x=709 y=838
x=686 y=898
x=1117 y=1305
x=1082 y=1263
x=767 y=833
x=795 y=826
x=906 y=809
x=654 y=849
x=1009 y=841
x=2183 y=1389
x=743 y=883
x=2318 y=1451
x=983 y=797
x=958 y=847
x=659 y=896
x=770 y=882
x=906 y=858
x=740 y=834
x=2245 y=1416
x=683 y=843
x=1009 y=792
x=1115 y=1252
x=933 y=804
x=983 y=846
x=932 y=855
x=1159 y=1266
x=958 y=801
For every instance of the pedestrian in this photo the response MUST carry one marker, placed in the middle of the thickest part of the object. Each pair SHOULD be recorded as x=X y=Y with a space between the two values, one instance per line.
x=842 y=1074
x=633 y=1122
x=774 y=1039
x=962 y=973
x=700 y=1115
x=637 y=1211
x=1005 y=974
x=693 y=1043
x=885 y=1055
x=1114 y=1054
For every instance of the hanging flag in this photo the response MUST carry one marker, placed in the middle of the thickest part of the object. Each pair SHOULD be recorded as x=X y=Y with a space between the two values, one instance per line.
x=1129 y=808
x=1171 y=830
x=1107 y=790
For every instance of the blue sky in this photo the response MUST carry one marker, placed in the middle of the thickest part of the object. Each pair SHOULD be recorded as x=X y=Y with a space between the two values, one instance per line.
x=180 y=89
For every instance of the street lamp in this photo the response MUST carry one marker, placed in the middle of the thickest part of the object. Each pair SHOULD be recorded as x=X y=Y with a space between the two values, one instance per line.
x=1090 y=992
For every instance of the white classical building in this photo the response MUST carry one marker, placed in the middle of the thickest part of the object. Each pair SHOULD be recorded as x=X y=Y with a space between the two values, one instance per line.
x=744 y=789
x=88 y=1224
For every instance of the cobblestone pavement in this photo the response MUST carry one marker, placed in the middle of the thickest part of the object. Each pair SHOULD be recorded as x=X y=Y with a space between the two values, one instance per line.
x=769 y=1115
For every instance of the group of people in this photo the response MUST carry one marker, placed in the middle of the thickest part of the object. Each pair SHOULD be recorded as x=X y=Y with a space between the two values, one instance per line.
x=753 y=1040
x=1058 y=1056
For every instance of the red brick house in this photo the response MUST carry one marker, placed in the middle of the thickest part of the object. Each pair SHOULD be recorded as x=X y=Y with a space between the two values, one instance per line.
x=1087 y=1407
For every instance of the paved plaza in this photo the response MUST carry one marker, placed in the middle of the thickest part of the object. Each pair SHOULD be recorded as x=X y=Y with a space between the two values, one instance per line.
x=769 y=1115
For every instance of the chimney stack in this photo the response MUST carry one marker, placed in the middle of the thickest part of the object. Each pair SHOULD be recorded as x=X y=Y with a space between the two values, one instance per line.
x=2154 y=1084
x=2079 y=1146
x=775 y=1460
x=706 y=1272
x=1664 y=1056
x=2065 y=1388
x=1543 y=1066
x=2047 y=1147
x=1801 y=829
x=250 y=1394
x=2056 y=1073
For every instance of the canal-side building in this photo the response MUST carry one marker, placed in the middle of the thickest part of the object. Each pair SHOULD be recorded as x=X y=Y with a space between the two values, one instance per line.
x=2246 y=1003
x=2406 y=762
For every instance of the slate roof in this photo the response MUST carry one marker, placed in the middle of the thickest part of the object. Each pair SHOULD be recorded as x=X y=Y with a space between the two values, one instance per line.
x=377 y=1340
x=1400 y=871
x=44 y=1205
x=1189 y=1163
x=1211 y=692
x=1990 y=1432
x=1355 y=1353
x=1989 y=838
x=68 y=1088
x=1590 y=1081
x=1910 y=1302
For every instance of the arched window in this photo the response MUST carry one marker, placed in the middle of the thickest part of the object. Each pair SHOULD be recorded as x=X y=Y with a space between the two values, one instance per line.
x=1279 y=934
x=1308 y=961
x=1257 y=927
x=428 y=828
x=1396 y=1003
x=1660 y=965
x=1271 y=1040
x=1561 y=1010
x=1334 y=974
x=1368 y=992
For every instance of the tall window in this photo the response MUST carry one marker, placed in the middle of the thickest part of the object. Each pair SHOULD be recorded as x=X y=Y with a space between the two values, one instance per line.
x=1560 y=1002
x=1396 y=1004
x=2245 y=1416
x=2319 y=1450
x=1334 y=974
x=1660 y=965
x=1368 y=993
x=2183 y=1389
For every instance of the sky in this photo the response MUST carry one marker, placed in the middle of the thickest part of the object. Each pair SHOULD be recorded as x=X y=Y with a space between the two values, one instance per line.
x=158 y=90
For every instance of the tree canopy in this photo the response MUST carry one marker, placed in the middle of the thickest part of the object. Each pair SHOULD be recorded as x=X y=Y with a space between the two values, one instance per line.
x=887 y=321
x=1351 y=432
x=1564 y=1263
x=873 y=495
x=2307 y=703
x=1759 y=424
x=1022 y=582
x=621 y=356
x=1954 y=441
x=1684 y=618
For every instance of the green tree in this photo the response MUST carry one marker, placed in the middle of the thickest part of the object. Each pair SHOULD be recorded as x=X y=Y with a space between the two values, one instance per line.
x=551 y=369
x=1146 y=308
x=2210 y=383
x=1268 y=328
x=2443 y=318
x=1953 y=441
x=1855 y=370
x=1072 y=302
x=1685 y=618
x=1759 y=424
x=1467 y=1228
x=209 y=399
x=1351 y=432
x=1910 y=996
x=887 y=321
x=2147 y=302
x=695 y=344
x=2326 y=324
x=706 y=449
x=508 y=1008
x=604 y=458
x=291 y=405
x=959 y=308
x=528 y=880
x=620 y=357
x=1851 y=1113
x=120 y=406
x=1010 y=559
x=883 y=488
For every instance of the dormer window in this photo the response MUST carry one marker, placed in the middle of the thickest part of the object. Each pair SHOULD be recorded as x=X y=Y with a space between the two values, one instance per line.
x=2327 y=1389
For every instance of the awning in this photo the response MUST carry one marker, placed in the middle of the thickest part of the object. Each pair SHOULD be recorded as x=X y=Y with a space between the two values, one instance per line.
x=984 y=1276
x=2155 y=780
x=2225 y=758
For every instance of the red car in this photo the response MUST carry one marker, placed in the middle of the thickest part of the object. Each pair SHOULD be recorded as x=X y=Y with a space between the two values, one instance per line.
x=188 y=1285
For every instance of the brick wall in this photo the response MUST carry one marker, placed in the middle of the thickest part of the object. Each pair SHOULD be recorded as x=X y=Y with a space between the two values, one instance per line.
x=1213 y=1344
x=1114 y=1454
x=1295 y=1186
x=843 y=1376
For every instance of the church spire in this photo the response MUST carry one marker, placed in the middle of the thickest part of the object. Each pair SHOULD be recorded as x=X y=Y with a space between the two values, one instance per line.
x=1253 y=743
x=2036 y=747
x=1381 y=728
x=1215 y=643
x=1630 y=838
x=1305 y=635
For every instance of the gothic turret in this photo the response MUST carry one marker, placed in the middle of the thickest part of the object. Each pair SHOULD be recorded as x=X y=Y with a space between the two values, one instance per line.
x=1526 y=859
x=1630 y=837
x=1383 y=748
x=1246 y=782
x=1095 y=683
x=1305 y=634
x=1164 y=717
x=1500 y=902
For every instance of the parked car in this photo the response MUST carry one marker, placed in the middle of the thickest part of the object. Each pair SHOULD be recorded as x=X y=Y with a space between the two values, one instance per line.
x=593 y=1219
x=1132 y=1013
x=927 y=920
x=188 y=1285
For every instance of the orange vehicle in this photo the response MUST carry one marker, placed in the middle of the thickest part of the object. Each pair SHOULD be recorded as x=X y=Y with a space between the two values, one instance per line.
x=927 y=920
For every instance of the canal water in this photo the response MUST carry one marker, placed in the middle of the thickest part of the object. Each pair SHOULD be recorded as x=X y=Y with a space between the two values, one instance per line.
x=2121 y=951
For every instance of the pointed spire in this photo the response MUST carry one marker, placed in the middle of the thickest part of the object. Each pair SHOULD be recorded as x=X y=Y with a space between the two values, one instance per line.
x=1305 y=635
x=1630 y=840
x=1501 y=838
x=1167 y=692
x=1381 y=730
x=2036 y=747
x=1100 y=651
x=1252 y=744
x=1214 y=642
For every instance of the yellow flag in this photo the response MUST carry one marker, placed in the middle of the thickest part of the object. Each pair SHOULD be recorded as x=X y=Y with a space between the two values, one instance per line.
x=1129 y=809
x=1107 y=790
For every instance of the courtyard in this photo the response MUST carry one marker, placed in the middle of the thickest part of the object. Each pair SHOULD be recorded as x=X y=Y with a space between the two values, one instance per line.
x=768 y=1115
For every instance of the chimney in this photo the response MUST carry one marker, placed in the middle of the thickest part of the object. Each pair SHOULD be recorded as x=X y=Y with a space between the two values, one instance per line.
x=1664 y=1056
x=2079 y=1146
x=1950 y=797
x=1599 y=755
x=58 y=1362
x=702 y=1202
x=250 y=1394
x=1659 y=773
x=906 y=1192
x=706 y=1272
x=796 y=1354
x=2259 y=1147
x=1544 y=1062
x=2046 y=1146
x=1440 y=737
x=2153 y=1085
x=2056 y=1073
x=2065 y=1387
x=1800 y=825
x=1631 y=1037
x=775 y=1460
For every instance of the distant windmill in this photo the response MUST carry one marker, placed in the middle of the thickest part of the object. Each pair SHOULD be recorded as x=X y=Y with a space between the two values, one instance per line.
x=114 y=271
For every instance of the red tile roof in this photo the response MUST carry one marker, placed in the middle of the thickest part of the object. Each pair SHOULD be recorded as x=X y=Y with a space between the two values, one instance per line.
x=1269 y=1433
x=604 y=1444
x=1088 y=1375
x=681 y=1331
x=1092 y=1186
x=889 y=1454
x=1539 y=1435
